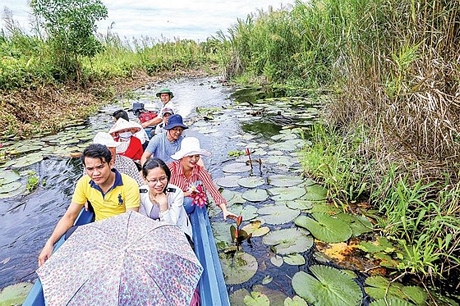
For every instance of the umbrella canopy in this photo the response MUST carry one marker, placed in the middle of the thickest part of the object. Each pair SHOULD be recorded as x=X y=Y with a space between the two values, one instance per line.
x=128 y=259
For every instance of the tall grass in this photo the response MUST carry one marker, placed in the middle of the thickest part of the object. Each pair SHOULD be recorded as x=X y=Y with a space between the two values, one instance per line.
x=393 y=126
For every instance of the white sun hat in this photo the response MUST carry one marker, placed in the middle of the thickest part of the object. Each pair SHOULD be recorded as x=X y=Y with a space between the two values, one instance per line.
x=122 y=124
x=106 y=139
x=190 y=146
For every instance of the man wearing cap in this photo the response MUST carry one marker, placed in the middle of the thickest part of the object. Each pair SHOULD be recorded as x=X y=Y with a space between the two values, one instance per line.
x=122 y=163
x=165 y=96
x=110 y=192
x=164 y=145
x=165 y=113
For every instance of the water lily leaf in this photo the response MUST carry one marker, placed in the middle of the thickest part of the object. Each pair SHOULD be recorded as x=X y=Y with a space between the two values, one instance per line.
x=277 y=260
x=248 y=212
x=256 y=299
x=295 y=301
x=251 y=181
x=254 y=228
x=267 y=280
x=315 y=192
x=15 y=294
x=237 y=297
x=325 y=227
x=288 y=241
x=284 y=136
x=286 y=193
x=221 y=231
x=276 y=297
x=255 y=195
x=289 y=145
x=239 y=268
x=324 y=207
x=390 y=301
x=8 y=188
x=227 y=181
x=380 y=245
x=358 y=224
x=26 y=148
x=236 y=168
x=281 y=160
x=279 y=180
x=297 y=204
x=277 y=214
x=27 y=160
x=321 y=257
x=8 y=176
x=294 y=260
x=327 y=286
x=415 y=294
x=378 y=287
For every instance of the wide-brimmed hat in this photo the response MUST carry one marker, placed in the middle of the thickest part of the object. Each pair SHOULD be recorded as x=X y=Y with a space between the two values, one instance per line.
x=190 y=146
x=122 y=124
x=106 y=139
x=167 y=110
x=174 y=121
x=165 y=90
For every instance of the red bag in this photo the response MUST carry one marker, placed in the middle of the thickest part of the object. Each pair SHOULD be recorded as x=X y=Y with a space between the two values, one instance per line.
x=146 y=116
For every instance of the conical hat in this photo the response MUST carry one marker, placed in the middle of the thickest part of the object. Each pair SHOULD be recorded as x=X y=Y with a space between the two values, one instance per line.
x=122 y=124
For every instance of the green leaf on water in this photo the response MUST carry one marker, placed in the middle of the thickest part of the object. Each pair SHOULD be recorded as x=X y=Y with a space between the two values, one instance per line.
x=227 y=181
x=294 y=260
x=238 y=268
x=277 y=260
x=286 y=193
x=391 y=302
x=288 y=241
x=251 y=181
x=236 y=168
x=8 y=176
x=295 y=301
x=325 y=227
x=255 y=228
x=256 y=299
x=327 y=286
x=255 y=195
x=378 y=287
x=15 y=294
x=277 y=214
x=279 y=180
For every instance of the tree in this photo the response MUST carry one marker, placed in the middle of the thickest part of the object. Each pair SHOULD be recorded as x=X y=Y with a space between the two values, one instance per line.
x=70 y=27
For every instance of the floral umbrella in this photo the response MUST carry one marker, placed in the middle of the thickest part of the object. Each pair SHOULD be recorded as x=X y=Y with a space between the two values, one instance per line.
x=128 y=259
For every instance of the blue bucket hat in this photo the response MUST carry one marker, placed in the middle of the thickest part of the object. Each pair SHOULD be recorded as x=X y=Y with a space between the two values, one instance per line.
x=174 y=121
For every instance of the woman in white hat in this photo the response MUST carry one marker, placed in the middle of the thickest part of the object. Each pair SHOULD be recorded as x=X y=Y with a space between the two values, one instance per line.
x=123 y=131
x=194 y=179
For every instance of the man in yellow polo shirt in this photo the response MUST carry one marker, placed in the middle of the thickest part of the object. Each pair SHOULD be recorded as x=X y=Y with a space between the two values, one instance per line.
x=109 y=192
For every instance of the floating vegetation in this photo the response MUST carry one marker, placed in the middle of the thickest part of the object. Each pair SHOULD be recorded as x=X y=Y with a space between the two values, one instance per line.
x=327 y=286
x=325 y=227
x=228 y=181
x=238 y=268
x=236 y=168
x=277 y=214
x=379 y=287
x=286 y=193
x=15 y=294
x=255 y=228
x=294 y=260
x=251 y=181
x=288 y=241
x=279 y=180
x=255 y=195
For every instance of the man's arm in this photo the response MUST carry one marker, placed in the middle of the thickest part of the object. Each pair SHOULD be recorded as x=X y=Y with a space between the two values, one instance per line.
x=145 y=156
x=63 y=225
x=152 y=122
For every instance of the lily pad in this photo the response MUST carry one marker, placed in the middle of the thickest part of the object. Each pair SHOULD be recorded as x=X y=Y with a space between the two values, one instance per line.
x=15 y=294
x=255 y=195
x=279 y=180
x=315 y=192
x=276 y=297
x=378 y=287
x=390 y=301
x=325 y=227
x=288 y=241
x=295 y=301
x=8 y=188
x=236 y=168
x=237 y=297
x=254 y=228
x=256 y=299
x=286 y=193
x=277 y=260
x=327 y=286
x=228 y=181
x=277 y=214
x=298 y=204
x=251 y=181
x=281 y=160
x=239 y=268
x=8 y=176
x=27 y=160
x=248 y=212
x=294 y=260
x=358 y=224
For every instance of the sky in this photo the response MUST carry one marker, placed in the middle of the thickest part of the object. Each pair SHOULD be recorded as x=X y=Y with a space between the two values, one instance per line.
x=184 y=19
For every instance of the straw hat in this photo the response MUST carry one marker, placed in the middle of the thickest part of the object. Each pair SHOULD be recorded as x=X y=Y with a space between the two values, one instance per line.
x=106 y=139
x=122 y=124
x=190 y=146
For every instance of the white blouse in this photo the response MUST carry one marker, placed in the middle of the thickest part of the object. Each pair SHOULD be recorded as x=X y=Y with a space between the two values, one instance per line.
x=176 y=213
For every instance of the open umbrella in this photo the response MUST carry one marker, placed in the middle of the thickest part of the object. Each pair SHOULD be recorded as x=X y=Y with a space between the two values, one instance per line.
x=128 y=259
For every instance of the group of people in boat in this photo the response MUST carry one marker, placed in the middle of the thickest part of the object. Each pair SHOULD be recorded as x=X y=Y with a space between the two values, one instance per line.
x=172 y=179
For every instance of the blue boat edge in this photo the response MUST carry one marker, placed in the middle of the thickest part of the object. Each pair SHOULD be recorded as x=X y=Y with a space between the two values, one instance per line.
x=212 y=287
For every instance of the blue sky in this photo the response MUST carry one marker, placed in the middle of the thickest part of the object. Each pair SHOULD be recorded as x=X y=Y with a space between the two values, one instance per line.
x=193 y=19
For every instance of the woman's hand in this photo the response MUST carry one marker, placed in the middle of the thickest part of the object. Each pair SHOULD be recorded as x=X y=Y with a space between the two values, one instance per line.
x=162 y=200
x=226 y=213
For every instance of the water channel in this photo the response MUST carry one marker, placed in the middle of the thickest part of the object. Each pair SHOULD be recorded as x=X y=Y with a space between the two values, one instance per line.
x=223 y=126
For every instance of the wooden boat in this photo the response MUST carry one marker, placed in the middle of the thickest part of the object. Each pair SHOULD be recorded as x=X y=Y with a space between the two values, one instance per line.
x=213 y=290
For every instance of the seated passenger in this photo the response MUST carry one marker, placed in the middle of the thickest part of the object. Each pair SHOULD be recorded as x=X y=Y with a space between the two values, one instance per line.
x=164 y=145
x=123 y=131
x=166 y=112
x=142 y=134
x=193 y=179
x=161 y=200
x=122 y=163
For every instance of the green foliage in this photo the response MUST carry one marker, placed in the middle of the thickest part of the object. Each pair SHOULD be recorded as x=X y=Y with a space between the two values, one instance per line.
x=32 y=181
x=70 y=26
